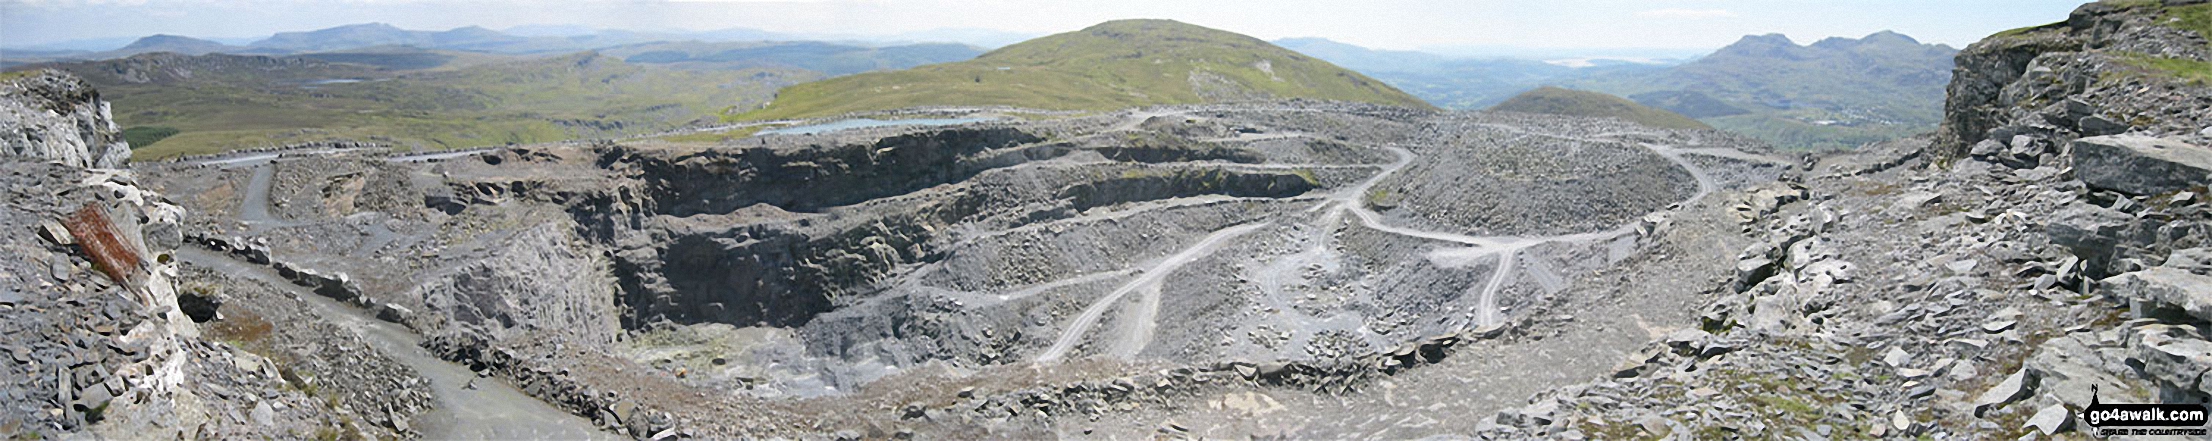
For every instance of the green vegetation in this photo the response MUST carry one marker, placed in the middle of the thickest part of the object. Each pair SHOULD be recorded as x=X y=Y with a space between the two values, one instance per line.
x=713 y=137
x=215 y=103
x=1796 y=133
x=147 y=135
x=2193 y=18
x=2130 y=4
x=1113 y=65
x=1558 y=101
x=2014 y=32
x=2187 y=70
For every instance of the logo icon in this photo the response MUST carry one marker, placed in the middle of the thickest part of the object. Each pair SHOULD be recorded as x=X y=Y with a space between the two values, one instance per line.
x=2143 y=419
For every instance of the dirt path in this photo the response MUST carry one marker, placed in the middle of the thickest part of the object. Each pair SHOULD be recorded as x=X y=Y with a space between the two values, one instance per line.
x=489 y=410
x=1073 y=334
x=1136 y=334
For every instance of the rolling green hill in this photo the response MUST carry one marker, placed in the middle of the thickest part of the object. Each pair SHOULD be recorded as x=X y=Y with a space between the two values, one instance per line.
x=1557 y=101
x=1114 y=65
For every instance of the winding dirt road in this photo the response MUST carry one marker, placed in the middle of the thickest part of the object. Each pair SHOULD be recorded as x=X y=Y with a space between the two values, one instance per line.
x=1134 y=336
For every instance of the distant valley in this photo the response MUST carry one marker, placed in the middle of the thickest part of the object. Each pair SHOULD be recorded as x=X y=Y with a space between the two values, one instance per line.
x=468 y=87
x=1835 y=93
x=472 y=86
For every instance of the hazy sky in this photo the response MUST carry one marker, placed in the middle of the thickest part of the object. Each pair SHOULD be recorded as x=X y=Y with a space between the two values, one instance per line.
x=1392 y=24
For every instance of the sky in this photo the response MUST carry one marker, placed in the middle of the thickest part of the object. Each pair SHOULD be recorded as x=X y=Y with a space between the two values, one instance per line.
x=1447 y=26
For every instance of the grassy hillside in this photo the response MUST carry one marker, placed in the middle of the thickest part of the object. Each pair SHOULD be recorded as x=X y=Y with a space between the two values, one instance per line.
x=1112 y=65
x=1557 y=101
x=213 y=103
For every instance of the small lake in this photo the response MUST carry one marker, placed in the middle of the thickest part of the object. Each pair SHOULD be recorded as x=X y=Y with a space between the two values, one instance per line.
x=334 y=81
x=864 y=123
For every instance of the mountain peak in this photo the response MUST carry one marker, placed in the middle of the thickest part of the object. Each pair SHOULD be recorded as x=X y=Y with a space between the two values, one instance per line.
x=1768 y=39
x=1762 y=46
x=1883 y=38
x=167 y=40
x=1888 y=35
x=370 y=26
x=170 y=43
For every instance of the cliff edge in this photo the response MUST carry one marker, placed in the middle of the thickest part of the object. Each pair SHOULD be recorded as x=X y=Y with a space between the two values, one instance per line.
x=54 y=115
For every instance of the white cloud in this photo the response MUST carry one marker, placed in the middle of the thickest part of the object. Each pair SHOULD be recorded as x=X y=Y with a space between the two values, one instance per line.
x=1691 y=14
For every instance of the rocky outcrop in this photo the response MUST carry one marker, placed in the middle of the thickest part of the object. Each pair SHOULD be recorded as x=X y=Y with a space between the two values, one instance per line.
x=2020 y=95
x=806 y=179
x=88 y=308
x=541 y=286
x=56 y=116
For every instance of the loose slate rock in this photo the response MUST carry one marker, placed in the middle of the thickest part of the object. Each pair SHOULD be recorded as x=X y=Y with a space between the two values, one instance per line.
x=2052 y=419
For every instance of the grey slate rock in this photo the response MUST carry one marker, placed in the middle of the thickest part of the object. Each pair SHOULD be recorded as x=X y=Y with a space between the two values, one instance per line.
x=2098 y=126
x=2141 y=165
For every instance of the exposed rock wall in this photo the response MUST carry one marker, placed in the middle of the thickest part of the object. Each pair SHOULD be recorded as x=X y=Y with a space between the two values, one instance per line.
x=2016 y=97
x=541 y=285
x=722 y=180
x=56 y=116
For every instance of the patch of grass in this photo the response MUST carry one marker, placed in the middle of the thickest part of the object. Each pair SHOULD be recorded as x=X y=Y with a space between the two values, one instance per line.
x=2186 y=70
x=147 y=135
x=2015 y=32
x=2130 y=4
x=1307 y=174
x=713 y=137
x=1381 y=198
x=2193 y=18
x=1114 y=65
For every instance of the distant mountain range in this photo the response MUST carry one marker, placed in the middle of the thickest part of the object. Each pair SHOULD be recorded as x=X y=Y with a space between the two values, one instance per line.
x=1452 y=82
x=534 y=39
x=1835 y=93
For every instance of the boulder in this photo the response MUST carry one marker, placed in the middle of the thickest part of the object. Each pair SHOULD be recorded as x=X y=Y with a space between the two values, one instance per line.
x=2095 y=125
x=394 y=313
x=2141 y=165
x=2094 y=234
x=2052 y=419
x=2164 y=291
x=2176 y=358
x=2194 y=260
x=2019 y=386
x=2072 y=368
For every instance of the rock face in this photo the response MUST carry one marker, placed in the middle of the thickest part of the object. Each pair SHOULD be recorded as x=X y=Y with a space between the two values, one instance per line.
x=541 y=284
x=2077 y=78
x=2141 y=165
x=56 y=116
